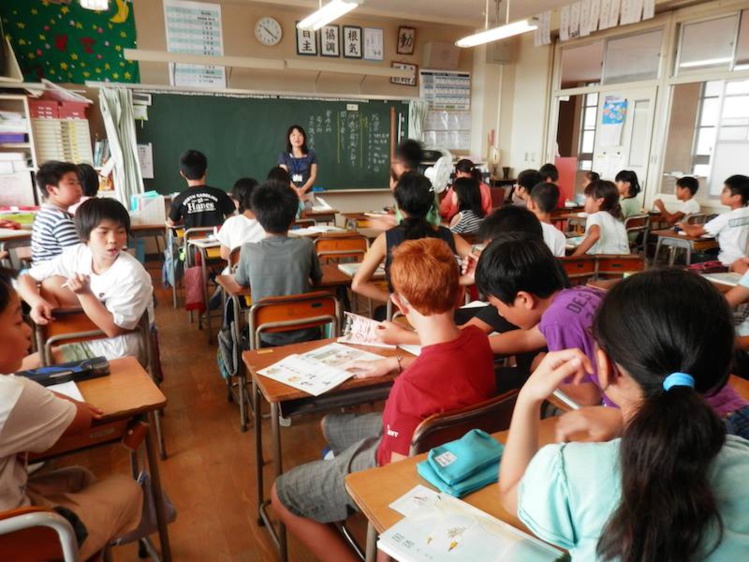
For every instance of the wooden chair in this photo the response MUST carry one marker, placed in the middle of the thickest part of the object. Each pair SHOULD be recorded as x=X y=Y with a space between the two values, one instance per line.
x=36 y=534
x=294 y=312
x=349 y=247
x=491 y=416
x=639 y=225
x=579 y=269
x=71 y=325
x=498 y=197
x=610 y=266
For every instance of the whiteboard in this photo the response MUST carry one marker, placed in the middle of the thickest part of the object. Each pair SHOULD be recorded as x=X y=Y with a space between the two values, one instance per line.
x=729 y=159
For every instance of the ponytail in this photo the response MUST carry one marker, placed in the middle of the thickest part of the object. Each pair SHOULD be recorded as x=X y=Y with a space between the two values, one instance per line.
x=606 y=190
x=667 y=506
x=651 y=325
x=415 y=197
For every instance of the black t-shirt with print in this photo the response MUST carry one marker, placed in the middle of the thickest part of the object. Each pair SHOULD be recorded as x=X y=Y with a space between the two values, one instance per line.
x=201 y=205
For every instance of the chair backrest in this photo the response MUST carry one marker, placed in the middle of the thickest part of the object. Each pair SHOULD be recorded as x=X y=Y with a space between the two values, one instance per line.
x=617 y=265
x=491 y=416
x=293 y=312
x=351 y=247
x=697 y=218
x=637 y=223
x=234 y=258
x=579 y=269
x=35 y=534
x=498 y=196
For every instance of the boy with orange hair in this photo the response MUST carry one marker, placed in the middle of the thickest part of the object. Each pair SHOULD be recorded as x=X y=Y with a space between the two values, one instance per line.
x=454 y=370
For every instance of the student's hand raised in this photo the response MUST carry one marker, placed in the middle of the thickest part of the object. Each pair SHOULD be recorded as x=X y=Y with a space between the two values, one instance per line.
x=595 y=423
x=78 y=283
x=555 y=368
x=378 y=368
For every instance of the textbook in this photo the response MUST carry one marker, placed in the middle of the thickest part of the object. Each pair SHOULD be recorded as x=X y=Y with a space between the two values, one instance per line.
x=444 y=529
x=361 y=330
x=319 y=370
x=351 y=269
x=317 y=229
x=730 y=279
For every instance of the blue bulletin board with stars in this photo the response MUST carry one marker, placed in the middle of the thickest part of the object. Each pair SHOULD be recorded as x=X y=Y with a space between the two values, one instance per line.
x=63 y=42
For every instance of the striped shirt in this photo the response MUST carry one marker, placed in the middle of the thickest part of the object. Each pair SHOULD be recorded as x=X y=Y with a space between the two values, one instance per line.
x=468 y=223
x=53 y=230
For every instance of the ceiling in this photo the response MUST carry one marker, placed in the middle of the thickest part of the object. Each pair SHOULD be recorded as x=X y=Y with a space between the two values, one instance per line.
x=468 y=13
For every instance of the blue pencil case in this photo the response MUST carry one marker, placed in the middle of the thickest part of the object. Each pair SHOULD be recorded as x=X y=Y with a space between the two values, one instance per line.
x=463 y=458
x=488 y=475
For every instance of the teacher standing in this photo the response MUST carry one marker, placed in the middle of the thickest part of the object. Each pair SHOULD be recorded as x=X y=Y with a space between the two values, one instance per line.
x=299 y=161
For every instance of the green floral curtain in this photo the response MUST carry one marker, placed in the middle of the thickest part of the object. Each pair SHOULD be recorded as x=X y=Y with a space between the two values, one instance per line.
x=66 y=43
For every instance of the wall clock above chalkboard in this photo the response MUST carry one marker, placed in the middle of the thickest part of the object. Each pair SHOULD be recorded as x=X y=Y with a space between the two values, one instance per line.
x=268 y=31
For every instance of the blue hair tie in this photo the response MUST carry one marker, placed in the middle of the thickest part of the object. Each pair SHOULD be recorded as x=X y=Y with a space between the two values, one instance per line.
x=678 y=379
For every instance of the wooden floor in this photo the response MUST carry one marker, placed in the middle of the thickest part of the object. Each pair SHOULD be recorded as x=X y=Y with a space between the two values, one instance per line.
x=210 y=472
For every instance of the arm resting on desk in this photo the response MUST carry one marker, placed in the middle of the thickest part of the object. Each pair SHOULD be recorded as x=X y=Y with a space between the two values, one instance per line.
x=592 y=236
x=362 y=282
x=517 y=341
x=693 y=230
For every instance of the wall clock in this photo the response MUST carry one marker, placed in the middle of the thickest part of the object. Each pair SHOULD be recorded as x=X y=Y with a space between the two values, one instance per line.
x=268 y=31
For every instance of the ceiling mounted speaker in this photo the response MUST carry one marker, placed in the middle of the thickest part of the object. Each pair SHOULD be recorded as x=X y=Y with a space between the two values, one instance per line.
x=441 y=56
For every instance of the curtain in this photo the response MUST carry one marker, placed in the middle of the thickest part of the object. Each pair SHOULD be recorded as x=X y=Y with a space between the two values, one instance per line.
x=417 y=114
x=117 y=108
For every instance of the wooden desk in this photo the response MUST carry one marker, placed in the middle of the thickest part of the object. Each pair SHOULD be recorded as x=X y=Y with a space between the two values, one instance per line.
x=287 y=401
x=11 y=239
x=375 y=489
x=126 y=395
x=326 y=216
x=674 y=240
x=155 y=231
x=374 y=221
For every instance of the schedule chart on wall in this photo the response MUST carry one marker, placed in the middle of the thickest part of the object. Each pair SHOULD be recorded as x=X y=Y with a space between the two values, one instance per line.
x=443 y=89
x=194 y=28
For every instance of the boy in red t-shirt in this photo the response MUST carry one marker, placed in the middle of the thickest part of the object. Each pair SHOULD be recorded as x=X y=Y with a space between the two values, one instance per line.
x=454 y=370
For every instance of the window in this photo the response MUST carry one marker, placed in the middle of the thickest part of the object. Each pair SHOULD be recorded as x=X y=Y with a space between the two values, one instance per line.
x=632 y=58
x=587 y=131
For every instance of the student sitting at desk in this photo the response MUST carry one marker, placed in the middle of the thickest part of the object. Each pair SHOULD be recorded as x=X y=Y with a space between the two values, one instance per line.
x=543 y=200
x=525 y=181
x=732 y=228
x=686 y=187
x=243 y=227
x=453 y=371
x=278 y=265
x=528 y=287
x=604 y=229
x=549 y=173
x=470 y=215
x=673 y=488
x=199 y=205
x=53 y=227
x=32 y=420
x=89 y=179
x=415 y=199
x=466 y=169
x=112 y=287
x=629 y=187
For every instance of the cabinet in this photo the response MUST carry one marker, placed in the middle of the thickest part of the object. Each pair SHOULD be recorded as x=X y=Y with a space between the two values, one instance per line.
x=18 y=157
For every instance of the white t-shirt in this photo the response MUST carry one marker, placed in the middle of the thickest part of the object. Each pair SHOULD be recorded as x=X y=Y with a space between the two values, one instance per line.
x=613 y=238
x=554 y=239
x=32 y=419
x=689 y=207
x=732 y=231
x=125 y=289
x=238 y=230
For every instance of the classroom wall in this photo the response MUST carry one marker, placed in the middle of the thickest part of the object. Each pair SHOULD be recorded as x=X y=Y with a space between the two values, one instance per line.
x=239 y=40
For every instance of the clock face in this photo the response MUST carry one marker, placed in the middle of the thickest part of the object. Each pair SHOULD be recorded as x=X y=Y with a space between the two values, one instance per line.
x=268 y=31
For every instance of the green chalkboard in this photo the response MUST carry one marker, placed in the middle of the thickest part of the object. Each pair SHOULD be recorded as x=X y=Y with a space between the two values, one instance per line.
x=243 y=136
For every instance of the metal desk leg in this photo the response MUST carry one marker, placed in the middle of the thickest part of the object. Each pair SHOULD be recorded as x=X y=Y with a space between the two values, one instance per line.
x=258 y=450
x=153 y=466
x=371 y=553
x=275 y=414
x=688 y=259
x=241 y=369
x=658 y=247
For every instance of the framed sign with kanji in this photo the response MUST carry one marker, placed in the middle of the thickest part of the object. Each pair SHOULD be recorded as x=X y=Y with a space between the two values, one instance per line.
x=406 y=40
x=330 y=41
x=352 y=42
x=306 y=42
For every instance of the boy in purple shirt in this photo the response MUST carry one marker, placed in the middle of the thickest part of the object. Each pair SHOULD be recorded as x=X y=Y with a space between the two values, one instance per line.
x=528 y=286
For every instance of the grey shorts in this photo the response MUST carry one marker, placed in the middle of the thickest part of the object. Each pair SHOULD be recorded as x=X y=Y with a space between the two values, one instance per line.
x=317 y=490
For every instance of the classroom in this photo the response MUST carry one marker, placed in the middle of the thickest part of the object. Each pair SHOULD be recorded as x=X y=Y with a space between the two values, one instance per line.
x=354 y=280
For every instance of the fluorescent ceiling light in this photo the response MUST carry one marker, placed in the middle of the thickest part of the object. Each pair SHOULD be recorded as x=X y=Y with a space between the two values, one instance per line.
x=95 y=4
x=498 y=33
x=705 y=62
x=326 y=14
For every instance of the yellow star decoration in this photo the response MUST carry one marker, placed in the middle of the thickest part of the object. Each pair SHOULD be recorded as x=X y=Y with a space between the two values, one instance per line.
x=122 y=63
x=110 y=26
x=22 y=41
x=64 y=10
x=117 y=48
x=116 y=76
x=128 y=76
x=70 y=74
x=42 y=37
x=34 y=11
x=31 y=56
x=98 y=70
x=52 y=71
x=21 y=25
x=106 y=66
x=74 y=56
x=64 y=65
x=123 y=34
x=83 y=65
x=79 y=25
x=45 y=3
x=94 y=26
x=87 y=74
x=53 y=21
